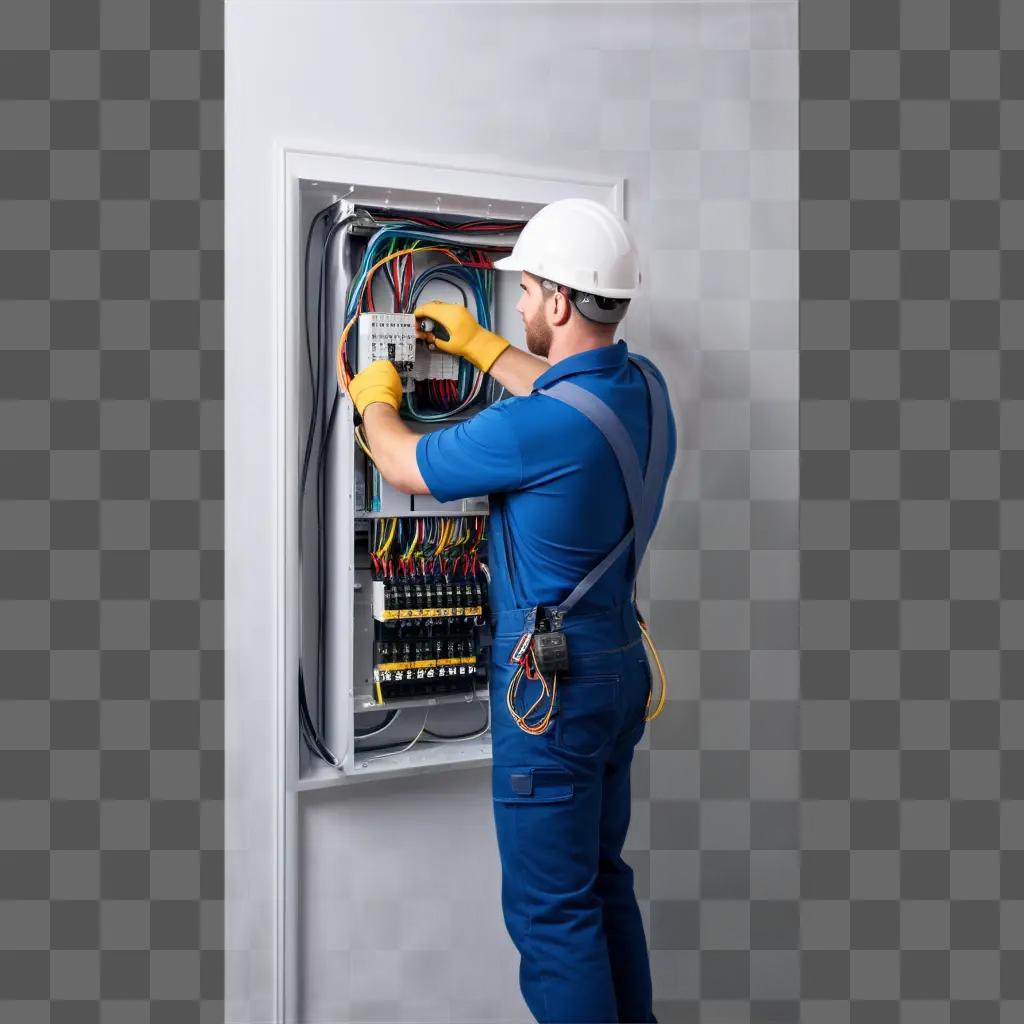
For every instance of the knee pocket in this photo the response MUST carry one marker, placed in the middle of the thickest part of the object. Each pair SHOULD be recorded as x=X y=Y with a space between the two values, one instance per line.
x=529 y=784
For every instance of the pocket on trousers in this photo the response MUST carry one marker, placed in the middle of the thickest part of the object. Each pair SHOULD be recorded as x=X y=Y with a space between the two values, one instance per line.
x=531 y=784
x=646 y=671
x=646 y=674
x=587 y=713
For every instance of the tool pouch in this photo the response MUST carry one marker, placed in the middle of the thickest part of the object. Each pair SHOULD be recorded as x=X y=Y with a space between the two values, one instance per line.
x=550 y=645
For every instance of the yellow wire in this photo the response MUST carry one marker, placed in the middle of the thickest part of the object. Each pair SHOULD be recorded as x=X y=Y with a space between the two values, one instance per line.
x=661 y=673
x=386 y=545
x=361 y=441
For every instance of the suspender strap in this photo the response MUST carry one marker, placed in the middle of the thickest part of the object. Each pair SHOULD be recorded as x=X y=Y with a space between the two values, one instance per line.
x=601 y=415
x=657 y=453
x=642 y=488
x=584 y=585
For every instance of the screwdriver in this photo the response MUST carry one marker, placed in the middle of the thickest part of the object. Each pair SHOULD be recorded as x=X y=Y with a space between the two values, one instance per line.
x=429 y=326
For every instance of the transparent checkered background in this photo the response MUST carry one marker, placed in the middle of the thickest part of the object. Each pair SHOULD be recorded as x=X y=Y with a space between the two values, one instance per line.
x=911 y=824
x=111 y=574
x=912 y=523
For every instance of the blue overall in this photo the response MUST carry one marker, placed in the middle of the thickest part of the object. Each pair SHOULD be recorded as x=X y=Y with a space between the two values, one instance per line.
x=561 y=800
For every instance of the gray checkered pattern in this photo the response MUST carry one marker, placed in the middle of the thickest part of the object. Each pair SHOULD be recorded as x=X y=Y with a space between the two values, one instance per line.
x=907 y=903
x=714 y=836
x=111 y=577
x=912 y=226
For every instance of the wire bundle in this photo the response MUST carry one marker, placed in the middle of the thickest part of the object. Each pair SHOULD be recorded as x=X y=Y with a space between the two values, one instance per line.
x=432 y=545
x=321 y=423
x=528 y=668
x=471 y=271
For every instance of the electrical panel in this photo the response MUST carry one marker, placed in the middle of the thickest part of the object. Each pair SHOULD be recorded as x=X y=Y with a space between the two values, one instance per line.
x=394 y=586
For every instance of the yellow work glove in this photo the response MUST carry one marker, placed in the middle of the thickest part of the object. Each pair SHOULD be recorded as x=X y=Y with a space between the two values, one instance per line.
x=466 y=337
x=379 y=382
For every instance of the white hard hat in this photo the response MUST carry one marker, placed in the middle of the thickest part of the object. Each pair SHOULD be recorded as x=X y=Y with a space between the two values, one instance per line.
x=581 y=244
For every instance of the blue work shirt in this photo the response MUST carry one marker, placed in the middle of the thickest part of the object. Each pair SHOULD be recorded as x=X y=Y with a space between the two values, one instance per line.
x=557 y=496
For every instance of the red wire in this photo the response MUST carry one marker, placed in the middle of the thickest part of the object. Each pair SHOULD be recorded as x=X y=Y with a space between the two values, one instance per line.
x=473 y=225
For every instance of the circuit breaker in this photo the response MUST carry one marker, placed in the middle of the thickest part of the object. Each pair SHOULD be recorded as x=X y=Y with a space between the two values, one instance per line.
x=429 y=620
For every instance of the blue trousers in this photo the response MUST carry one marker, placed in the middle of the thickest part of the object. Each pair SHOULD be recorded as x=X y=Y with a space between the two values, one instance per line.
x=561 y=809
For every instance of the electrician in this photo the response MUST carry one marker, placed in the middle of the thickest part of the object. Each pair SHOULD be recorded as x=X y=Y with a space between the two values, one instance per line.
x=559 y=508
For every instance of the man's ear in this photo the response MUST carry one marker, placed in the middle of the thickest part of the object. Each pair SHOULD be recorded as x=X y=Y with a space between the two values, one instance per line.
x=562 y=308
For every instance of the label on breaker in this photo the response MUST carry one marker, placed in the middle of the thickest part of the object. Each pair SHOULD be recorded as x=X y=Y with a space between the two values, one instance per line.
x=391 y=614
x=408 y=671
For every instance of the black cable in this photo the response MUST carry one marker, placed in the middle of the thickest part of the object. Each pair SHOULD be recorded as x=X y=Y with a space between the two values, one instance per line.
x=319 y=384
x=426 y=732
x=451 y=280
x=457 y=736
x=326 y=423
x=309 y=730
x=373 y=730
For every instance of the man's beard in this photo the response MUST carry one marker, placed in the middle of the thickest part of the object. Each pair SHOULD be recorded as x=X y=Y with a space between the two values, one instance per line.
x=538 y=337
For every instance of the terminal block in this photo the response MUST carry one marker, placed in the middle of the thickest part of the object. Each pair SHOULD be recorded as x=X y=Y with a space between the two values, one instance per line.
x=389 y=336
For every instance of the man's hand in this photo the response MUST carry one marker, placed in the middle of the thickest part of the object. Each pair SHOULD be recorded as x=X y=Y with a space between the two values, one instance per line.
x=466 y=337
x=379 y=382
x=376 y=393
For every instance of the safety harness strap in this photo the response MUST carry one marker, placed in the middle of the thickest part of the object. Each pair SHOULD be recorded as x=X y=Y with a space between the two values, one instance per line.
x=641 y=488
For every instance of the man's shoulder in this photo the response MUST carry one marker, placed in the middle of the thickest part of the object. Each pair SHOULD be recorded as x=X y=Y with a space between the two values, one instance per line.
x=525 y=408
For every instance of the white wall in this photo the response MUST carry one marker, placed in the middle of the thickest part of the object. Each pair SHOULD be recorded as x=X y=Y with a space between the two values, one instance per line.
x=399 y=915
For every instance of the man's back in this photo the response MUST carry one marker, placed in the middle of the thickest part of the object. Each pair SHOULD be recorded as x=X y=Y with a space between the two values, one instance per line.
x=554 y=480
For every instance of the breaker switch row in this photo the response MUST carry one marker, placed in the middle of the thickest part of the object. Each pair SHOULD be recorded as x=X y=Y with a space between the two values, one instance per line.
x=407 y=668
x=425 y=599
